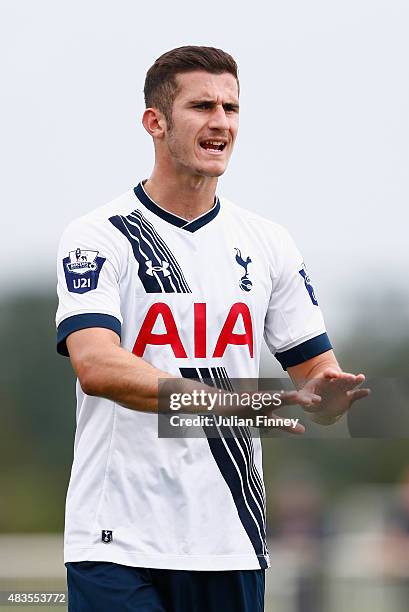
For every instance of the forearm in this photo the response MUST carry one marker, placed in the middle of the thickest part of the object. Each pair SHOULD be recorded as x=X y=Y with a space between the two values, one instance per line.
x=110 y=371
x=123 y=377
x=105 y=369
x=313 y=368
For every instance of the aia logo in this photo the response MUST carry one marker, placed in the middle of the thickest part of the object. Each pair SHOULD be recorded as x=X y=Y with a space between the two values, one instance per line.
x=245 y=283
x=227 y=336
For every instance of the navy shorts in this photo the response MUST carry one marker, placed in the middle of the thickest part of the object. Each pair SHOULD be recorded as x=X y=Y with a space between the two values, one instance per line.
x=95 y=586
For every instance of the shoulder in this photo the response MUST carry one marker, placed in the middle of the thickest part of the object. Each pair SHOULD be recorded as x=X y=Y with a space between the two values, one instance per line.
x=98 y=219
x=264 y=227
x=95 y=233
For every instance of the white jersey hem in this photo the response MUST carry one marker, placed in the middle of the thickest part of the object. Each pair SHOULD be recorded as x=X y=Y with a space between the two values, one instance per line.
x=177 y=562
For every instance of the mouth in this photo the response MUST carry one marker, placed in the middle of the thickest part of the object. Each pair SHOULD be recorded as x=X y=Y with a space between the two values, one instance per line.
x=213 y=146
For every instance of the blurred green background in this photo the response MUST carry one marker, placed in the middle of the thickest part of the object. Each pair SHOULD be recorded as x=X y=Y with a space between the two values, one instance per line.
x=37 y=389
x=332 y=501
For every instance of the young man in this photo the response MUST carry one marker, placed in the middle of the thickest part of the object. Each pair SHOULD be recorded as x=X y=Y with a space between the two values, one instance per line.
x=170 y=281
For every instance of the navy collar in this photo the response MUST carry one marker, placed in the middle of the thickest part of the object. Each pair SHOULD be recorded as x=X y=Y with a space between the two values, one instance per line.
x=189 y=226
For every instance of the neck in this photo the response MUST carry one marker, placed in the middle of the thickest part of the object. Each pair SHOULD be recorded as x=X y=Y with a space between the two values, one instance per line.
x=183 y=195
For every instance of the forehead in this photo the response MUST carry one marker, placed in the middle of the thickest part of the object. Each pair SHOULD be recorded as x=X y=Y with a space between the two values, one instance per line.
x=199 y=85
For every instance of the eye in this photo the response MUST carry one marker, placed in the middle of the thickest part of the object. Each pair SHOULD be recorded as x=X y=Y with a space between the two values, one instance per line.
x=231 y=109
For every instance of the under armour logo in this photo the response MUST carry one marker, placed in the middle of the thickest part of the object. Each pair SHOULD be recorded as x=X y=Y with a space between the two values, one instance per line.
x=106 y=536
x=150 y=269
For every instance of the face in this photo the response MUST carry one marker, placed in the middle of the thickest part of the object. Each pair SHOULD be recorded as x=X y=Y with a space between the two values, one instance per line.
x=205 y=120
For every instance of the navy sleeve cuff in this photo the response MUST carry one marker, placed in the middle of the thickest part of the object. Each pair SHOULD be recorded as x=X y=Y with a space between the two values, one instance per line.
x=83 y=321
x=304 y=351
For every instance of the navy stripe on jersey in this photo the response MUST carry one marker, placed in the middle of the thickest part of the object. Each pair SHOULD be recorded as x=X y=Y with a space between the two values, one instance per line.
x=254 y=472
x=245 y=441
x=226 y=382
x=237 y=473
x=218 y=382
x=151 y=233
x=189 y=226
x=158 y=269
x=84 y=321
x=304 y=351
x=234 y=457
x=243 y=434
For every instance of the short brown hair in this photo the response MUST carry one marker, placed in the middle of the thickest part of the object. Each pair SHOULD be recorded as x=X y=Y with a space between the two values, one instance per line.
x=161 y=87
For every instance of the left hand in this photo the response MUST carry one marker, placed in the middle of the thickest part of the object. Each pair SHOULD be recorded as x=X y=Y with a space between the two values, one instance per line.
x=338 y=391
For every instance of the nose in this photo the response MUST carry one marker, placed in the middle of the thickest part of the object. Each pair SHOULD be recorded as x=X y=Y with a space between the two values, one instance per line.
x=218 y=119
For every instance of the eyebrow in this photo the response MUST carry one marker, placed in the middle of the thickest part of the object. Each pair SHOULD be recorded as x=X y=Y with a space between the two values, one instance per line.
x=234 y=105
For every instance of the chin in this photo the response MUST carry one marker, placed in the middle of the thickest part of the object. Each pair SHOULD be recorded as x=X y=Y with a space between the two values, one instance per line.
x=211 y=172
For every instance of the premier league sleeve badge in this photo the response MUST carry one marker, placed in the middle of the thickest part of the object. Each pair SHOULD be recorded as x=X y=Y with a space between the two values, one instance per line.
x=82 y=268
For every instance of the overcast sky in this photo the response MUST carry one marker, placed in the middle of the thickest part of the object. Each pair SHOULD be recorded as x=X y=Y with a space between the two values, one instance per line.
x=323 y=145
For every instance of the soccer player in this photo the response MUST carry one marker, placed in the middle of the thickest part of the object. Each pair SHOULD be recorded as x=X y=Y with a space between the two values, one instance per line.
x=171 y=281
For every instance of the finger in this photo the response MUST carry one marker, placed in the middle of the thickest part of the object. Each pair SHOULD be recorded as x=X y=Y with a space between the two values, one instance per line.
x=345 y=383
x=347 y=377
x=358 y=394
x=341 y=387
x=302 y=397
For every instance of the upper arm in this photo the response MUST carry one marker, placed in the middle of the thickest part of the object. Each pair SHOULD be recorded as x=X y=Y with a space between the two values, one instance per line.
x=89 y=271
x=88 y=350
x=294 y=326
x=88 y=343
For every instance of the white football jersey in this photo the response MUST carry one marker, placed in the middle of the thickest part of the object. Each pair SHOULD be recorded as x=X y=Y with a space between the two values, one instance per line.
x=193 y=298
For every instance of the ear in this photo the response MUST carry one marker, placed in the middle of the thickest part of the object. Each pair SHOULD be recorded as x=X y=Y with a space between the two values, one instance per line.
x=154 y=122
